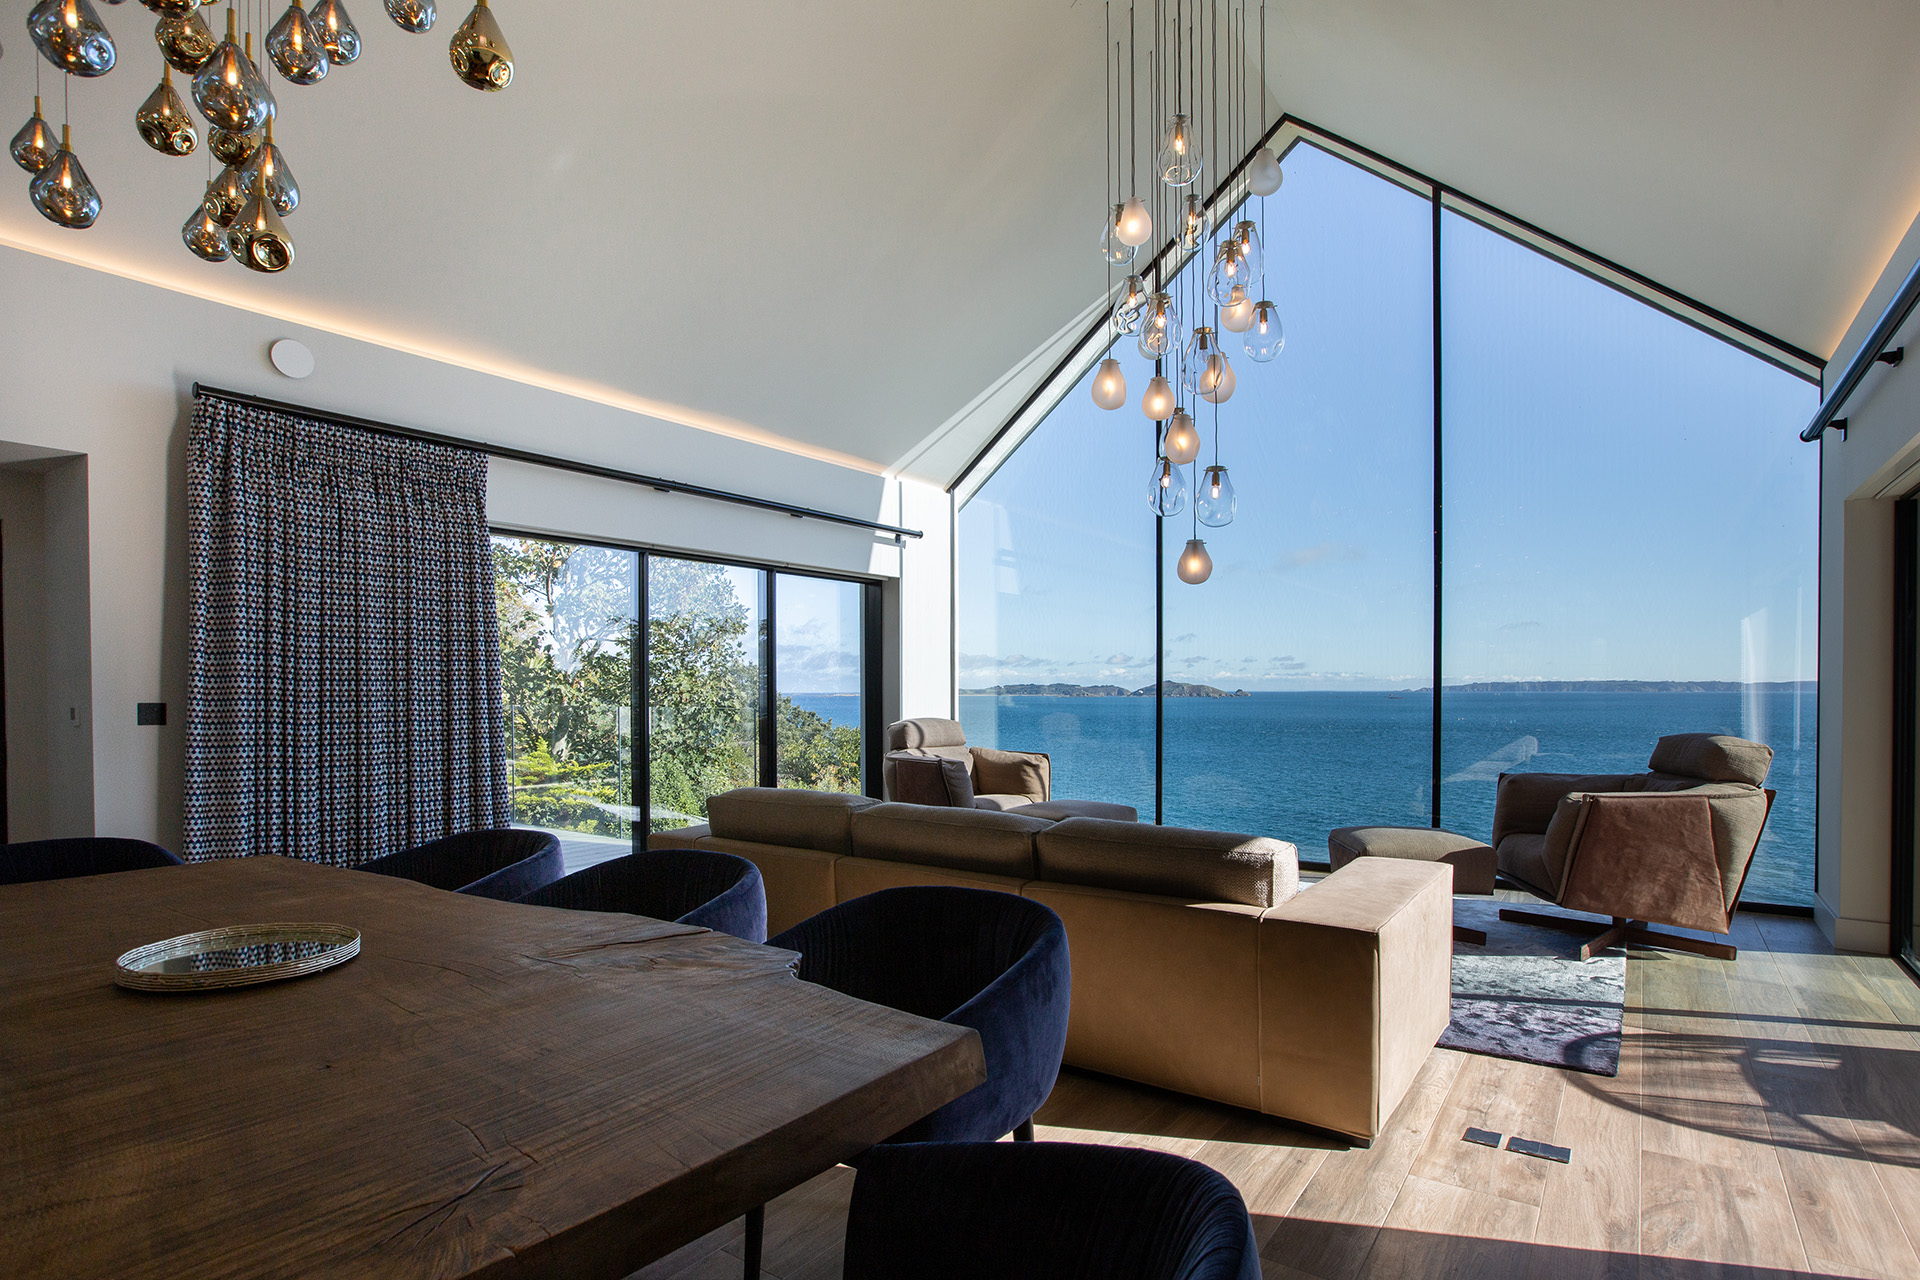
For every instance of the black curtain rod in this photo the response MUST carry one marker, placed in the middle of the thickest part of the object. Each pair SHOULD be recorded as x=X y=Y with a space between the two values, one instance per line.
x=511 y=454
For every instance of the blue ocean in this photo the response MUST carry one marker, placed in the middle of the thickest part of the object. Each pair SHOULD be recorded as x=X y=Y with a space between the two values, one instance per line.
x=1297 y=765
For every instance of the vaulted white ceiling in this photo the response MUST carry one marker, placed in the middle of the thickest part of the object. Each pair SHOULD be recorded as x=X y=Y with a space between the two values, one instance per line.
x=834 y=226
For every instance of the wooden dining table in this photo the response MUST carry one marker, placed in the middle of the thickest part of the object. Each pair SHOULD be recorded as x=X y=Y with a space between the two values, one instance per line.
x=488 y=1089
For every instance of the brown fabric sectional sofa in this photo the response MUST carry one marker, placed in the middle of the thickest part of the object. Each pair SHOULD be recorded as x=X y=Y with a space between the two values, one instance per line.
x=1199 y=963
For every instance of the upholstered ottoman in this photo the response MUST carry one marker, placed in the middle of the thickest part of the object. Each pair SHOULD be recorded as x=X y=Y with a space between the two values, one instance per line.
x=1472 y=860
x=1060 y=810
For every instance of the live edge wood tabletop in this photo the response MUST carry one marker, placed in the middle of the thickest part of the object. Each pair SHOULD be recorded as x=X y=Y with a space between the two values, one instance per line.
x=489 y=1090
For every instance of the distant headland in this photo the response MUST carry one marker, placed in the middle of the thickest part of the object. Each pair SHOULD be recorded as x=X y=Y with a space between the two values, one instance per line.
x=1172 y=689
x=1617 y=686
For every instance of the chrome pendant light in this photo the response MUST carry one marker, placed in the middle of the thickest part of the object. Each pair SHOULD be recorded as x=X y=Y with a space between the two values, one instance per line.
x=186 y=41
x=203 y=232
x=62 y=192
x=337 y=31
x=71 y=36
x=233 y=148
x=411 y=15
x=296 y=48
x=227 y=195
x=34 y=146
x=480 y=54
x=170 y=8
x=164 y=122
x=230 y=91
x=268 y=168
x=259 y=238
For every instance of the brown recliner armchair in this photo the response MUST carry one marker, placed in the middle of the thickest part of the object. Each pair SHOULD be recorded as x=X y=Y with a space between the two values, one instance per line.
x=1671 y=846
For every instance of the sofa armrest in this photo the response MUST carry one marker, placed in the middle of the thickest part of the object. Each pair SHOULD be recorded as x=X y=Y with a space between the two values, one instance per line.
x=1524 y=802
x=1355 y=988
x=1013 y=773
x=679 y=837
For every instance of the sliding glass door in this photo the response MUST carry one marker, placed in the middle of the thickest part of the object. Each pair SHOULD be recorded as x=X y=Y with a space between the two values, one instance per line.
x=604 y=748
x=1906 y=732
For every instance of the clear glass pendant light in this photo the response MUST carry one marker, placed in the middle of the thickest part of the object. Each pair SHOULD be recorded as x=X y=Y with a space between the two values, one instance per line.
x=185 y=40
x=233 y=148
x=70 y=35
x=164 y=122
x=1114 y=248
x=1195 y=566
x=1109 y=384
x=1265 y=337
x=34 y=146
x=1135 y=224
x=267 y=166
x=337 y=31
x=230 y=91
x=1159 y=326
x=1181 y=443
x=1179 y=161
x=1230 y=270
x=1158 y=403
x=411 y=15
x=1201 y=348
x=203 y=233
x=258 y=237
x=1247 y=236
x=1263 y=172
x=1133 y=301
x=1219 y=380
x=1167 y=489
x=1236 y=315
x=62 y=192
x=1196 y=224
x=1215 y=503
x=296 y=48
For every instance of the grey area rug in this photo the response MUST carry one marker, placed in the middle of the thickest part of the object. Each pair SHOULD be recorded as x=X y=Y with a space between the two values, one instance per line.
x=1527 y=995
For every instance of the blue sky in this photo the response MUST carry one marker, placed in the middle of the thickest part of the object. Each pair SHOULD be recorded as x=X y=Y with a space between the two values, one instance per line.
x=1625 y=497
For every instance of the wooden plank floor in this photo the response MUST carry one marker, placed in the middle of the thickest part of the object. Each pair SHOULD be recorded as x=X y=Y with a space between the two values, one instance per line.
x=1765 y=1122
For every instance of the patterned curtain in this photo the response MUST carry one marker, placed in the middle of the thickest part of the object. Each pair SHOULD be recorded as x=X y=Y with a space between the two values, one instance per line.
x=343 y=681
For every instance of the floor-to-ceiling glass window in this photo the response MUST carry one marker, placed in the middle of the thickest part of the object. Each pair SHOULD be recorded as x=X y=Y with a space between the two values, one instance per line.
x=703 y=685
x=568 y=621
x=819 y=672
x=1055 y=625
x=1320 y=604
x=1630 y=538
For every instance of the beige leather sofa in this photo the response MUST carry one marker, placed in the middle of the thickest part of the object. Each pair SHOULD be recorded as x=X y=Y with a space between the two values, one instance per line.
x=1199 y=964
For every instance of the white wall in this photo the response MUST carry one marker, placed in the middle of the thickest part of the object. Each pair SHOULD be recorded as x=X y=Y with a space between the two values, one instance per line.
x=1856 y=624
x=99 y=365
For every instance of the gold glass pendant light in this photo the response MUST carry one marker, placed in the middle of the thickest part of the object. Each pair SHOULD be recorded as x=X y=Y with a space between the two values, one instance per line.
x=337 y=31
x=164 y=122
x=72 y=37
x=62 y=192
x=230 y=91
x=259 y=238
x=295 y=47
x=227 y=195
x=411 y=15
x=185 y=40
x=233 y=148
x=203 y=233
x=34 y=146
x=170 y=8
x=480 y=53
x=268 y=166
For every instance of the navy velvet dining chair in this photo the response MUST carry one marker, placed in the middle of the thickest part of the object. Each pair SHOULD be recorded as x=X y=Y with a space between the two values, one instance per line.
x=704 y=887
x=1044 y=1211
x=991 y=961
x=501 y=862
x=34 y=860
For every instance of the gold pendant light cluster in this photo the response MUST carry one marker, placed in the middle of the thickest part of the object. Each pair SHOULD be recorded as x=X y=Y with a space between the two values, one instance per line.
x=1196 y=100
x=242 y=213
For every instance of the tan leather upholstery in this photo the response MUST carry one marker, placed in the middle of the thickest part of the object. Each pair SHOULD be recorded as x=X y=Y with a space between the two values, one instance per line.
x=1354 y=992
x=998 y=779
x=918 y=778
x=858 y=877
x=1060 y=810
x=1212 y=866
x=962 y=839
x=679 y=837
x=1664 y=878
x=799 y=882
x=1714 y=757
x=1013 y=773
x=1471 y=860
x=1164 y=990
x=821 y=820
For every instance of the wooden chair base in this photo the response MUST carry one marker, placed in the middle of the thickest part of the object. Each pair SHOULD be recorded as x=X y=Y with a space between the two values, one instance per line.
x=1621 y=933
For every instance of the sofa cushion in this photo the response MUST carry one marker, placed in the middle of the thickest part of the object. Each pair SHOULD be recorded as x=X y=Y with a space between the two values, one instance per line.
x=921 y=779
x=1714 y=757
x=1523 y=858
x=1471 y=860
x=1058 y=810
x=960 y=839
x=1176 y=862
x=1012 y=773
x=821 y=820
x=1526 y=802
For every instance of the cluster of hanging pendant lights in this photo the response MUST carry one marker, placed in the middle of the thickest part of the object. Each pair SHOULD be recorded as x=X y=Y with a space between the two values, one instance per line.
x=241 y=215
x=1197 y=88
